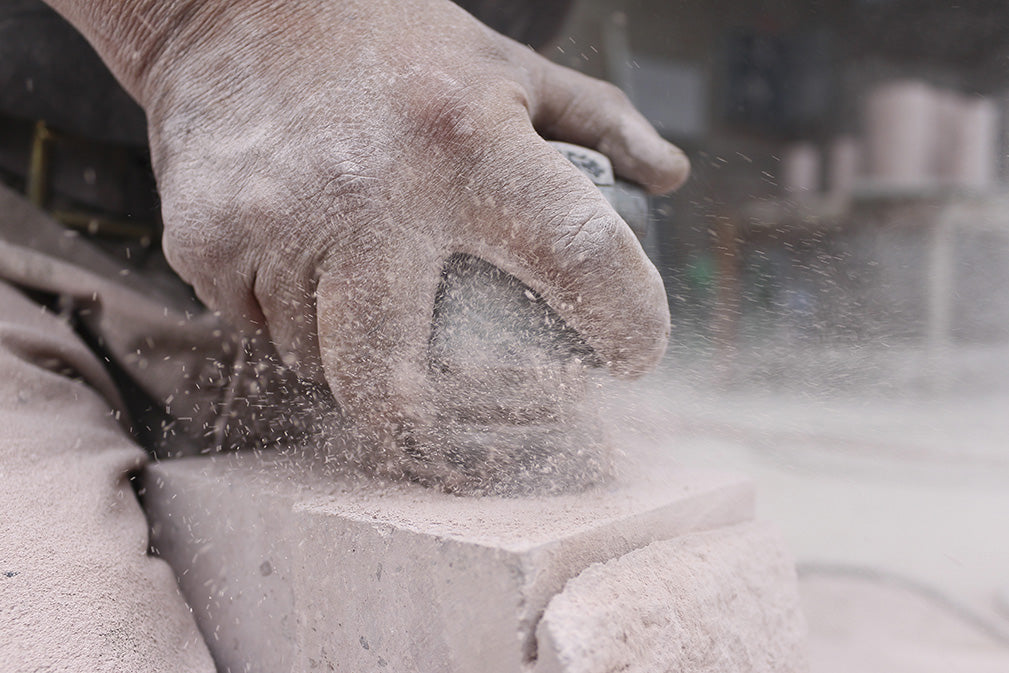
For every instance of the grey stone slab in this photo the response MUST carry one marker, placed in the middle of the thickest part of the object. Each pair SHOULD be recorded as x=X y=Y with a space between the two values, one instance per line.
x=291 y=565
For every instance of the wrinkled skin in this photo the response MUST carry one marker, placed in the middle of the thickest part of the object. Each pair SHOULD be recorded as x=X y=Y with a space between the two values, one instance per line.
x=318 y=162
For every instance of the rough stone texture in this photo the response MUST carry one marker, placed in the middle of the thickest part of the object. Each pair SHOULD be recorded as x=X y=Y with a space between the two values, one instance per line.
x=721 y=601
x=289 y=566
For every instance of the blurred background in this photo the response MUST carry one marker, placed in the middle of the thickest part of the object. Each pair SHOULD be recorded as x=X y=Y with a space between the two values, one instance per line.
x=838 y=275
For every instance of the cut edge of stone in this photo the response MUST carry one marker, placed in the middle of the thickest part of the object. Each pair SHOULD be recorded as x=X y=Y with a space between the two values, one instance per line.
x=723 y=600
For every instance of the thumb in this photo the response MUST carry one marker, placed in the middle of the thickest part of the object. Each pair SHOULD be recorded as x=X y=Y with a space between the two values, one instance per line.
x=574 y=107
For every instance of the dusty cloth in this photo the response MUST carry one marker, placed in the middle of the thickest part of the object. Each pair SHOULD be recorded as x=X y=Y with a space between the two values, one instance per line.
x=90 y=353
x=79 y=591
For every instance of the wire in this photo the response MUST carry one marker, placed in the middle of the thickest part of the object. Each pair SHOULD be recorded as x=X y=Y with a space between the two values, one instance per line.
x=963 y=612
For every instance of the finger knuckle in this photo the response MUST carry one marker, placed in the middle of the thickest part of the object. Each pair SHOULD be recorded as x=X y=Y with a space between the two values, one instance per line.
x=611 y=94
x=586 y=233
x=460 y=111
x=588 y=237
x=201 y=234
x=199 y=252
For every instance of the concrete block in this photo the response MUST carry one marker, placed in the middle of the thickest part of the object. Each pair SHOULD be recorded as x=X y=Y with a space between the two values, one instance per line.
x=290 y=565
x=721 y=601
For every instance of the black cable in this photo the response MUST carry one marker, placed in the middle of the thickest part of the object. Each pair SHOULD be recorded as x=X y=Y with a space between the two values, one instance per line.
x=963 y=612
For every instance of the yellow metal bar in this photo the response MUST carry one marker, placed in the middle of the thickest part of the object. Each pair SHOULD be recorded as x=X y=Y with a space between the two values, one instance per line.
x=38 y=165
x=97 y=225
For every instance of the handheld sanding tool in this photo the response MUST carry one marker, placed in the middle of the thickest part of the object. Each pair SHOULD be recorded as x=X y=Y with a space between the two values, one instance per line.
x=515 y=387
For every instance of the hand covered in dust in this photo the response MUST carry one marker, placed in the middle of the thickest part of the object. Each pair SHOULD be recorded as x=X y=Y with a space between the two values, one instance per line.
x=319 y=162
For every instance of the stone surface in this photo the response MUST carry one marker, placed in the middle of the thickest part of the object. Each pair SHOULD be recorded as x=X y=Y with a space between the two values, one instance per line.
x=721 y=601
x=293 y=566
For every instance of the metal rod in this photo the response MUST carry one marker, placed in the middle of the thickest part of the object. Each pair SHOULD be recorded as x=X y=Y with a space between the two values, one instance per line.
x=38 y=165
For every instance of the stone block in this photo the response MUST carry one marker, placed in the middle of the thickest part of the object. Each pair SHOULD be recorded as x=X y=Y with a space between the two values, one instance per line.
x=291 y=565
x=720 y=601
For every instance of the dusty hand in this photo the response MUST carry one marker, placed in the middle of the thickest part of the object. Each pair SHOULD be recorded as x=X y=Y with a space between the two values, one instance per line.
x=318 y=162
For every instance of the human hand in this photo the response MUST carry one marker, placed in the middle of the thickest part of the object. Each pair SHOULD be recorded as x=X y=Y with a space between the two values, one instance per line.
x=319 y=162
